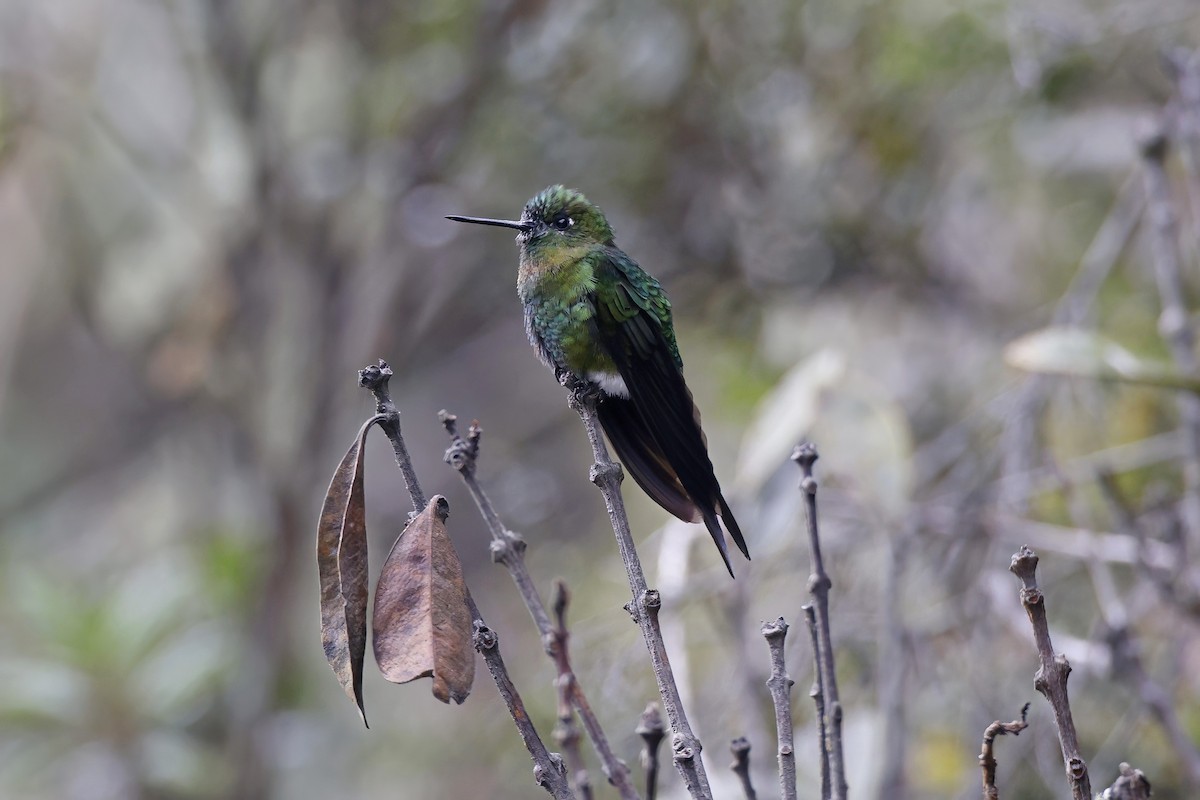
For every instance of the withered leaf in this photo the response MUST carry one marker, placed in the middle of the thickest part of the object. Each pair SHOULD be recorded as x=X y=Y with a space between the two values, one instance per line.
x=342 y=565
x=422 y=626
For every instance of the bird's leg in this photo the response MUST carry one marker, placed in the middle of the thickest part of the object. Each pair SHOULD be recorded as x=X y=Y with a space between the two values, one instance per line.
x=583 y=390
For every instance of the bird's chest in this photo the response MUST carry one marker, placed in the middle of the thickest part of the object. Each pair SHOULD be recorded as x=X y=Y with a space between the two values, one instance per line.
x=560 y=314
x=562 y=330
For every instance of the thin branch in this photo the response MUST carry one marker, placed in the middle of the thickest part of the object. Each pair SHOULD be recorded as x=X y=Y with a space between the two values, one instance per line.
x=548 y=769
x=1174 y=322
x=987 y=760
x=740 y=747
x=1051 y=677
x=1076 y=543
x=508 y=549
x=819 y=584
x=644 y=606
x=565 y=732
x=817 y=693
x=1132 y=785
x=780 y=684
x=375 y=379
x=651 y=729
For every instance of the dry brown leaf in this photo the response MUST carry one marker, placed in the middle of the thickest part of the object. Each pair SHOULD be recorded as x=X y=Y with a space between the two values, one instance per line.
x=342 y=565
x=422 y=626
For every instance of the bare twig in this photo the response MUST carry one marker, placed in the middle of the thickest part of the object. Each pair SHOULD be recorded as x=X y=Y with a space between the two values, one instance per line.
x=644 y=606
x=651 y=729
x=1051 y=677
x=987 y=760
x=1132 y=785
x=375 y=379
x=548 y=769
x=740 y=747
x=780 y=685
x=1174 y=322
x=819 y=584
x=508 y=548
x=565 y=732
x=817 y=693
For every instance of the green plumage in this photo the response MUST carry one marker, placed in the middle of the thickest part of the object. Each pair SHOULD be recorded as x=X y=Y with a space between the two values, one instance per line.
x=591 y=311
x=603 y=287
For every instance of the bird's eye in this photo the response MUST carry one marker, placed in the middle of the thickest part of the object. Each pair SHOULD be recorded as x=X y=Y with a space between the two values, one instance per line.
x=562 y=222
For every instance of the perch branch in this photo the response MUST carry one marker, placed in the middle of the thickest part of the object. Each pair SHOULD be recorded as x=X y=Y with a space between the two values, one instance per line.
x=651 y=729
x=780 y=685
x=819 y=584
x=548 y=769
x=644 y=606
x=508 y=548
x=740 y=747
x=1051 y=677
x=987 y=760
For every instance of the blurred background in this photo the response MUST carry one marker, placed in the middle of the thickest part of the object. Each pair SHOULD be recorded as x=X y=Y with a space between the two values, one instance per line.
x=212 y=213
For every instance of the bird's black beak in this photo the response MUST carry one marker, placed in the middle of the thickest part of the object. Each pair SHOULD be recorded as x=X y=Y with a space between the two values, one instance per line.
x=524 y=227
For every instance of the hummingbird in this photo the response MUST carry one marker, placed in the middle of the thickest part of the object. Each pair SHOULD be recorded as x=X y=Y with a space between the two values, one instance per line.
x=592 y=313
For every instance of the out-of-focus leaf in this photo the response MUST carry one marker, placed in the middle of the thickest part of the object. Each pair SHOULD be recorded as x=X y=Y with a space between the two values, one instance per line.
x=421 y=626
x=342 y=565
x=1081 y=353
x=858 y=426
x=784 y=415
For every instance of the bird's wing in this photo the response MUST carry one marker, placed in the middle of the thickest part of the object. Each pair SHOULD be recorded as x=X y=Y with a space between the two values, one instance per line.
x=637 y=449
x=633 y=325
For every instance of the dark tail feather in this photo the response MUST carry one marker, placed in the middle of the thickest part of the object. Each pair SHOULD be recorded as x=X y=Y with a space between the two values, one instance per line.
x=714 y=529
x=732 y=525
x=636 y=449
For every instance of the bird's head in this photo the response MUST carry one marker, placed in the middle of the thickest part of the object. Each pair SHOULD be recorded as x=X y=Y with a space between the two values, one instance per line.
x=556 y=221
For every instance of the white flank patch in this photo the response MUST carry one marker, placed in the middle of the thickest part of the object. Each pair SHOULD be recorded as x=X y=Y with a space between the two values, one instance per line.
x=610 y=382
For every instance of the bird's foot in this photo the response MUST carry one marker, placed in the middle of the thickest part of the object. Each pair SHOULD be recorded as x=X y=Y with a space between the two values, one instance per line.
x=583 y=392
